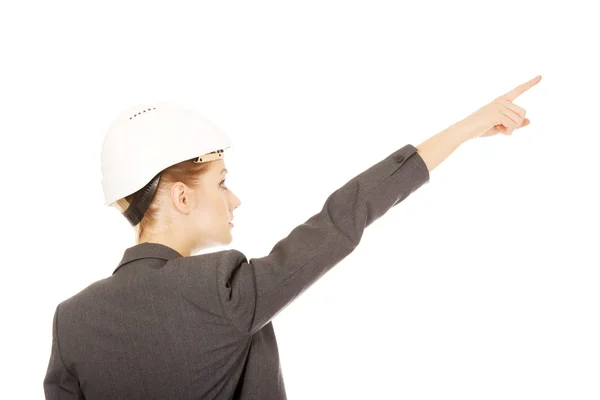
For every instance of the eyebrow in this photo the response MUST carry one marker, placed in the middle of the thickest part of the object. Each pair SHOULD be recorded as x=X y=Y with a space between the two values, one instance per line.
x=224 y=170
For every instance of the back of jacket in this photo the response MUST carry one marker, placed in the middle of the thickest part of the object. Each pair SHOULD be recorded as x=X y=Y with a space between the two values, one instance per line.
x=165 y=326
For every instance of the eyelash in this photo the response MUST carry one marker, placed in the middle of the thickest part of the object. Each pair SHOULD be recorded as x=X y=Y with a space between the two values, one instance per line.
x=222 y=182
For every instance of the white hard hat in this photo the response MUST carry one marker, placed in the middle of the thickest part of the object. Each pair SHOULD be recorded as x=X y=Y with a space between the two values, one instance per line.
x=146 y=139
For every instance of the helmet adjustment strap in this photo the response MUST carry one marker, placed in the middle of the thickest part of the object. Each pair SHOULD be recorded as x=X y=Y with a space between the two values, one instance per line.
x=141 y=201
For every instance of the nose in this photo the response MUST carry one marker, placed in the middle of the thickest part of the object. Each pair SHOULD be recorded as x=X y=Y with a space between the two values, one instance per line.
x=236 y=202
x=235 y=206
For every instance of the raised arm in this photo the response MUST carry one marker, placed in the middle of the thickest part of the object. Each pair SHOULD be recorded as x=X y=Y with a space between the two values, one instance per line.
x=253 y=292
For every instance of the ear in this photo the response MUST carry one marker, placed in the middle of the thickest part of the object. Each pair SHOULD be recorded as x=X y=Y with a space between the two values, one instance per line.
x=181 y=197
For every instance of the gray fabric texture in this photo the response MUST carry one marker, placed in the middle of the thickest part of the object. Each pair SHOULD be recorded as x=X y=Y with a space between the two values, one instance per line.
x=163 y=326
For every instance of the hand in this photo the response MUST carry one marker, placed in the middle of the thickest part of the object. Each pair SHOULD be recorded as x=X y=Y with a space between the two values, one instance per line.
x=499 y=116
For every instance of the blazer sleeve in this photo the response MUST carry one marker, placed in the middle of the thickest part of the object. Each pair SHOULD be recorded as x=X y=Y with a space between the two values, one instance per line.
x=58 y=382
x=253 y=292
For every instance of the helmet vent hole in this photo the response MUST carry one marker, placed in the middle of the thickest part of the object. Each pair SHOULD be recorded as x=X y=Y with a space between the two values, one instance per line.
x=135 y=115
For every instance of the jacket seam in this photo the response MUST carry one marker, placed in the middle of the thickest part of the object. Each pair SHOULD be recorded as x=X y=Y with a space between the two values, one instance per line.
x=218 y=270
x=58 y=346
x=177 y=291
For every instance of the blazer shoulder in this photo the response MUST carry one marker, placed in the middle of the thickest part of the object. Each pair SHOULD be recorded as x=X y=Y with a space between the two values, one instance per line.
x=199 y=281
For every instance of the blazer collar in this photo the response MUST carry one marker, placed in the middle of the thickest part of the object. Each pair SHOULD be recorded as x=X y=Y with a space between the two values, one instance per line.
x=147 y=250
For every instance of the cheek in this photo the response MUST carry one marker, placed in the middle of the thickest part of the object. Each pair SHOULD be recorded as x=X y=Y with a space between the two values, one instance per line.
x=204 y=220
x=213 y=210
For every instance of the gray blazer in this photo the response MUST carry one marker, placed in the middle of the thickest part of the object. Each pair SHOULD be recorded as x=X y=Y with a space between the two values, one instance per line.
x=165 y=326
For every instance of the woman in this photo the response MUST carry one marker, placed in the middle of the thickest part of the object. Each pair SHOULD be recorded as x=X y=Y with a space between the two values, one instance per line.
x=171 y=325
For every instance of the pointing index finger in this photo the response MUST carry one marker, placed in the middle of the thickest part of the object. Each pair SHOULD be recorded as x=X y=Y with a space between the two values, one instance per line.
x=519 y=90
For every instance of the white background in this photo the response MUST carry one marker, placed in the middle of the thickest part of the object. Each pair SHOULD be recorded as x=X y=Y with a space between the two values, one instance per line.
x=483 y=284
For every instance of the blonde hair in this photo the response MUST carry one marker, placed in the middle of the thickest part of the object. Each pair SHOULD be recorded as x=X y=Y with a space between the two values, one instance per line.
x=186 y=172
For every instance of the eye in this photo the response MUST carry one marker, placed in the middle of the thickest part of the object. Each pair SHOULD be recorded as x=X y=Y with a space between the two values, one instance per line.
x=222 y=182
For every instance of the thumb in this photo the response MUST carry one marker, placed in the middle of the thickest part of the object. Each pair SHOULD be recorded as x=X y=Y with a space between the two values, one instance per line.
x=525 y=122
